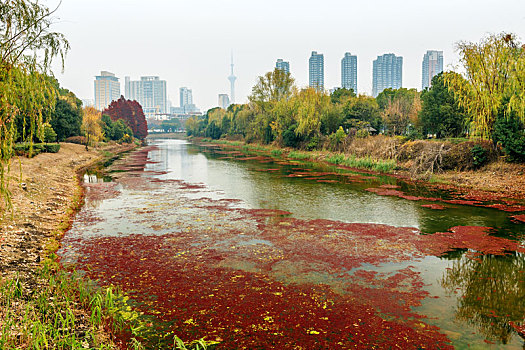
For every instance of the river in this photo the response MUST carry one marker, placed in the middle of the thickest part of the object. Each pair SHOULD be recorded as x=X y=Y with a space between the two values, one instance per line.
x=256 y=251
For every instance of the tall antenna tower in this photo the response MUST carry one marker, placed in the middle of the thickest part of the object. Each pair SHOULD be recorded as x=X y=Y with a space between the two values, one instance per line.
x=232 y=79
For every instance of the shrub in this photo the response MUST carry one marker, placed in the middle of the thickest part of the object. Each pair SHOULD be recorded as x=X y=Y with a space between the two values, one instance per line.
x=52 y=147
x=479 y=156
x=509 y=133
x=79 y=140
x=49 y=134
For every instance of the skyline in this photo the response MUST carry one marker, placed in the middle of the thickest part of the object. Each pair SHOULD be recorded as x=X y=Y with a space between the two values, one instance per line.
x=189 y=44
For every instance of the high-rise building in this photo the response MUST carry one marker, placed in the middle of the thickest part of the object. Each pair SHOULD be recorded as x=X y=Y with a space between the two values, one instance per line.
x=388 y=73
x=150 y=92
x=432 y=65
x=349 y=72
x=283 y=65
x=224 y=101
x=316 y=71
x=107 y=89
x=186 y=96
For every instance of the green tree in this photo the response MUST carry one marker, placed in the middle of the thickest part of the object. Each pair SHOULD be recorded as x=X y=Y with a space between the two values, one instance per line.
x=27 y=48
x=362 y=109
x=171 y=125
x=66 y=118
x=342 y=95
x=440 y=114
x=494 y=72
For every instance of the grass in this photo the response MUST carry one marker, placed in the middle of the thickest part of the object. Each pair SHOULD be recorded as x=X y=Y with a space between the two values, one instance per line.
x=300 y=155
x=48 y=316
x=382 y=166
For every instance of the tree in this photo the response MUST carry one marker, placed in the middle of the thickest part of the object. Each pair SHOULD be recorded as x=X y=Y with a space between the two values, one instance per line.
x=362 y=109
x=494 y=72
x=131 y=113
x=400 y=108
x=440 y=114
x=342 y=95
x=312 y=106
x=27 y=48
x=66 y=118
x=272 y=87
x=91 y=126
x=171 y=125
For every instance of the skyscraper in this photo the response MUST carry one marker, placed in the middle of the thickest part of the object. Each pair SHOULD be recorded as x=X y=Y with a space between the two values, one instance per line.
x=107 y=89
x=224 y=101
x=150 y=92
x=316 y=71
x=432 y=65
x=282 y=65
x=186 y=96
x=388 y=73
x=349 y=72
x=232 y=79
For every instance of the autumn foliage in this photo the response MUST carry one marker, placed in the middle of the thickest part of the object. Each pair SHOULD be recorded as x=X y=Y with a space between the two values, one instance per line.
x=132 y=114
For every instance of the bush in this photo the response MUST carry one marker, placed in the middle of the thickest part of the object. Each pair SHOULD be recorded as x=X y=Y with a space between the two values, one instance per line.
x=79 y=140
x=49 y=134
x=52 y=147
x=509 y=133
x=479 y=156
x=28 y=150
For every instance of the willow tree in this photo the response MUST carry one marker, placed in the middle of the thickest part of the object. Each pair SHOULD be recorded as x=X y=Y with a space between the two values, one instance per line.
x=27 y=48
x=494 y=74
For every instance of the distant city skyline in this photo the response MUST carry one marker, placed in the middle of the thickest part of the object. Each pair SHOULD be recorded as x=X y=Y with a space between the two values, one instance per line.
x=104 y=35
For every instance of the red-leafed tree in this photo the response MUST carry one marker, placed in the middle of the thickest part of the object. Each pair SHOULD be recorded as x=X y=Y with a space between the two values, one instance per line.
x=131 y=113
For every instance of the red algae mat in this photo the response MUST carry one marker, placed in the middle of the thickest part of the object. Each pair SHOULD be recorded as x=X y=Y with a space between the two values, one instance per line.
x=259 y=279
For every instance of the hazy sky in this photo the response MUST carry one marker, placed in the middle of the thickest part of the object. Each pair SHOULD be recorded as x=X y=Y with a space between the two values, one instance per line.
x=188 y=43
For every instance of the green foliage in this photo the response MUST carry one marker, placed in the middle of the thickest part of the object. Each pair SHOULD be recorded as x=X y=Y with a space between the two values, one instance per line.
x=299 y=155
x=362 y=109
x=440 y=114
x=399 y=109
x=383 y=166
x=171 y=125
x=479 y=156
x=341 y=95
x=290 y=138
x=509 y=133
x=66 y=118
x=116 y=130
x=49 y=134
x=52 y=147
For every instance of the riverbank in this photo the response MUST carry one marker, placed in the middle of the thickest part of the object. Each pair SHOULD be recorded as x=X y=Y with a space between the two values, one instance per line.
x=45 y=194
x=502 y=179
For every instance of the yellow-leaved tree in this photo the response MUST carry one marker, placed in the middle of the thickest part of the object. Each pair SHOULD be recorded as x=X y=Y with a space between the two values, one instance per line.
x=494 y=77
x=91 y=126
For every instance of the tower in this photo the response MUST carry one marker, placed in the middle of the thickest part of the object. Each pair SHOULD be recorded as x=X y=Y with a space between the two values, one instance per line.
x=232 y=79
x=432 y=65
x=349 y=72
x=316 y=71
x=387 y=73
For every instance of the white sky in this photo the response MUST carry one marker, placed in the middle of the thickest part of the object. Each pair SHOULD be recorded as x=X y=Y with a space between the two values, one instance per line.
x=188 y=42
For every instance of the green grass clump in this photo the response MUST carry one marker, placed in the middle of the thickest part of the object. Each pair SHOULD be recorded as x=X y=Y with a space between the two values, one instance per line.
x=299 y=155
x=277 y=152
x=379 y=165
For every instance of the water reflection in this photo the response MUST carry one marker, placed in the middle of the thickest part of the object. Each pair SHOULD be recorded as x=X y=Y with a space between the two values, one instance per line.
x=491 y=293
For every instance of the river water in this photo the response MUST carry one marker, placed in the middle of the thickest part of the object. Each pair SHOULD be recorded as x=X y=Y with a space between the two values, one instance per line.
x=214 y=242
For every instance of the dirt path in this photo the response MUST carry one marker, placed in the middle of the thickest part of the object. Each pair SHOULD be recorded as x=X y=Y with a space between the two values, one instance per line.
x=41 y=204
